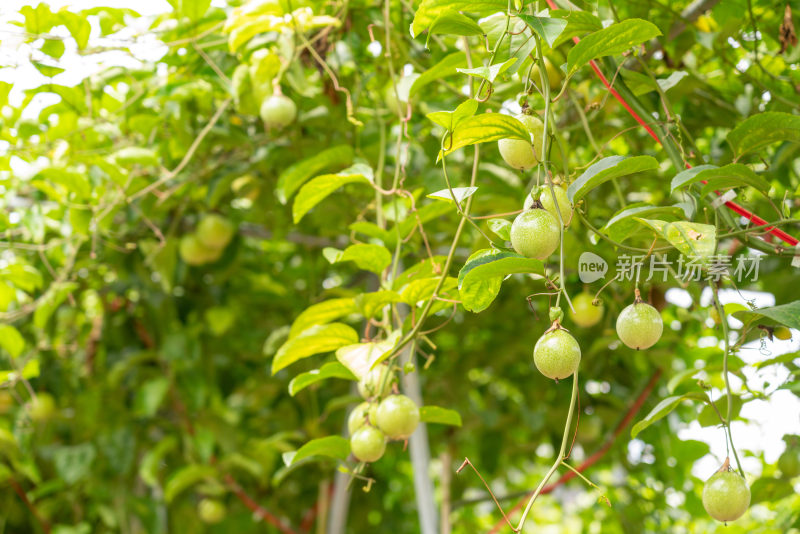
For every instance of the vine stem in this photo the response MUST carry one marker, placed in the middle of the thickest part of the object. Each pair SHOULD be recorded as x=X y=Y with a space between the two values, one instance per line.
x=562 y=451
x=729 y=414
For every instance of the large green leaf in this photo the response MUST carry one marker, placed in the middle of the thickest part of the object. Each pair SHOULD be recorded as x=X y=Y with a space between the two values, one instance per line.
x=490 y=72
x=480 y=278
x=613 y=40
x=371 y=304
x=762 y=130
x=366 y=256
x=579 y=23
x=322 y=313
x=299 y=173
x=446 y=67
x=314 y=340
x=661 y=410
x=691 y=239
x=450 y=22
x=623 y=224
x=359 y=358
x=547 y=28
x=785 y=314
x=330 y=446
x=607 y=169
x=430 y=9
x=485 y=128
x=450 y=120
x=11 y=340
x=439 y=415
x=329 y=370
x=732 y=175
x=315 y=191
x=185 y=478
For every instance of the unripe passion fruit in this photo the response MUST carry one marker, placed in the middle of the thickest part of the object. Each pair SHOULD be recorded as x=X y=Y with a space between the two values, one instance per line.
x=546 y=198
x=376 y=383
x=278 y=111
x=211 y=511
x=43 y=407
x=359 y=415
x=789 y=463
x=521 y=154
x=193 y=251
x=553 y=75
x=215 y=231
x=781 y=332
x=726 y=496
x=397 y=416
x=639 y=326
x=586 y=314
x=535 y=234
x=557 y=354
x=368 y=444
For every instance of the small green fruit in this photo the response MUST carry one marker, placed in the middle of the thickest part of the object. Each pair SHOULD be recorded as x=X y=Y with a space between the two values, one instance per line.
x=586 y=314
x=557 y=354
x=535 y=234
x=397 y=416
x=789 y=463
x=376 y=383
x=193 y=251
x=639 y=326
x=553 y=75
x=211 y=511
x=726 y=496
x=278 y=111
x=521 y=154
x=215 y=231
x=43 y=407
x=359 y=416
x=368 y=444
x=781 y=332
x=546 y=198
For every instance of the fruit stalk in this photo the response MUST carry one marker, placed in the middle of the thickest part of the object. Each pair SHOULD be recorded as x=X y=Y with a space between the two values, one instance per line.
x=561 y=452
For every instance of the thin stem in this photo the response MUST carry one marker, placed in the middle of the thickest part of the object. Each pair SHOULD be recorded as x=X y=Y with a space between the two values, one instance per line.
x=561 y=452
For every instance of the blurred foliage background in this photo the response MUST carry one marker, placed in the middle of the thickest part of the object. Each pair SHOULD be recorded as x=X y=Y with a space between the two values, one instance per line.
x=137 y=392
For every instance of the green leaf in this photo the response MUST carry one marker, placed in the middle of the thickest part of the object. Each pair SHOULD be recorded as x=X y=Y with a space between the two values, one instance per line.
x=732 y=175
x=320 y=187
x=708 y=416
x=329 y=370
x=446 y=67
x=430 y=9
x=299 y=173
x=186 y=477
x=691 y=239
x=501 y=228
x=359 y=358
x=623 y=224
x=134 y=155
x=314 y=340
x=607 y=169
x=480 y=279
x=56 y=294
x=421 y=290
x=151 y=462
x=661 y=410
x=149 y=396
x=450 y=22
x=613 y=40
x=330 y=446
x=545 y=27
x=491 y=72
x=485 y=128
x=371 y=304
x=11 y=340
x=579 y=23
x=460 y=194
x=322 y=313
x=73 y=463
x=517 y=43
x=785 y=314
x=770 y=490
x=449 y=120
x=439 y=415
x=366 y=256
x=762 y=130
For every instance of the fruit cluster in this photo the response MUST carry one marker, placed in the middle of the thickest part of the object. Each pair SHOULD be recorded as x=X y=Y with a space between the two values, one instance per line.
x=381 y=417
x=208 y=241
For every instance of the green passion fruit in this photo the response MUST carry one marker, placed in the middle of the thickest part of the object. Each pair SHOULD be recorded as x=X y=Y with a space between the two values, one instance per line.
x=564 y=206
x=193 y=252
x=215 y=231
x=278 y=111
x=376 y=383
x=639 y=325
x=557 y=354
x=211 y=511
x=726 y=496
x=368 y=444
x=521 y=154
x=535 y=233
x=397 y=416
x=586 y=314
x=360 y=415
